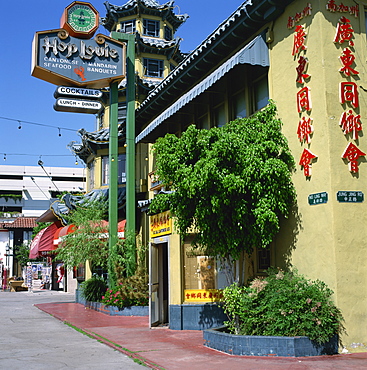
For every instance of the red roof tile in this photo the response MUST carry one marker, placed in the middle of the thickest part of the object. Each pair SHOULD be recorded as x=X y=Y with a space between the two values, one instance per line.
x=22 y=223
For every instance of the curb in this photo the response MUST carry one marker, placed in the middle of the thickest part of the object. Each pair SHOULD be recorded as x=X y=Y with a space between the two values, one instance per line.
x=113 y=345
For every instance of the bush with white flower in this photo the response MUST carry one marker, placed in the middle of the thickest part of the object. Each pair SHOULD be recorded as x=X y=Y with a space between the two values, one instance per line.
x=283 y=304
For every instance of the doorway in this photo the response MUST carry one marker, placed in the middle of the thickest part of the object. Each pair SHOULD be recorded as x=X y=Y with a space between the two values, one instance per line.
x=158 y=285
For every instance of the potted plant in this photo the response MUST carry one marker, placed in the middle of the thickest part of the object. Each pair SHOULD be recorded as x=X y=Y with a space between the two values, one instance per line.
x=283 y=314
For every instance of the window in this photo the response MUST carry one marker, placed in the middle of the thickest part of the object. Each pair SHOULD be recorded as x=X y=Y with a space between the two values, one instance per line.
x=91 y=175
x=128 y=26
x=150 y=28
x=263 y=258
x=11 y=177
x=261 y=93
x=121 y=177
x=153 y=68
x=100 y=120
x=220 y=118
x=69 y=179
x=105 y=172
x=239 y=105
x=203 y=122
x=168 y=33
x=200 y=270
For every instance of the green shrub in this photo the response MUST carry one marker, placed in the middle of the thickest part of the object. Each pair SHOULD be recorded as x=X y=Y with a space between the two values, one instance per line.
x=283 y=304
x=131 y=291
x=93 y=289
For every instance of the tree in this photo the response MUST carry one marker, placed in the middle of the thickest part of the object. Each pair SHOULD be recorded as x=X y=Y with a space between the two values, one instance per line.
x=230 y=184
x=22 y=254
x=87 y=241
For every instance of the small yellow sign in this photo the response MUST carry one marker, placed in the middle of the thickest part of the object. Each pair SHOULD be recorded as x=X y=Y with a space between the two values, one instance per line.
x=160 y=224
x=203 y=295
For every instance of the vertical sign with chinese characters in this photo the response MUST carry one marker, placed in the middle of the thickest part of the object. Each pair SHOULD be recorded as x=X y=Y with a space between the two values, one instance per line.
x=303 y=98
x=350 y=120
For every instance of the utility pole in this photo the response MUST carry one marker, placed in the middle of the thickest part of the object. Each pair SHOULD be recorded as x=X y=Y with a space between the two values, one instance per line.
x=130 y=154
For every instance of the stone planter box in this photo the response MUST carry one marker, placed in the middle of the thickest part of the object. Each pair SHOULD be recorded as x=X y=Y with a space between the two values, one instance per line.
x=248 y=345
x=115 y=311
x=112 y=310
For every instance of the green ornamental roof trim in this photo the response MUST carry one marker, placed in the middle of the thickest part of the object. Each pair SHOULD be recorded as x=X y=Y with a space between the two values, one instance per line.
x=146 y=7
x=160 y=46
x=69 y=202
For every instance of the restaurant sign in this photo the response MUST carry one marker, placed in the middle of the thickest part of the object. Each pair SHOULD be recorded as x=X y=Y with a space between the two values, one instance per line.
x=77 y=105
x=203 y=295
x=61 y=59
x=77 y=92
x=160 y=224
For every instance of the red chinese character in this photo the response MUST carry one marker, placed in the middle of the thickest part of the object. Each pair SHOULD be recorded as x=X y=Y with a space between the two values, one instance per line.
x=187 y=296
x=198 y=295
x=347 y=59
x=305 y=129
x=299 y=40
x=210 y=295
x=291 y=23
x=344 y=32
x=204 y=295
x=354 y=10
x=350 y=123
x=306 y=160
x=304 y=100
x=193 y=295
x=352 y=153
x=331 y=6
x=349 y=93
x=343 y=8
x=301 y=70
x=307 y=10
x=298 y=17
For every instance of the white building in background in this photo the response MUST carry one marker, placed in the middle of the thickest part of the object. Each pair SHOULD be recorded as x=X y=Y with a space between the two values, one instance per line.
x=26 y=192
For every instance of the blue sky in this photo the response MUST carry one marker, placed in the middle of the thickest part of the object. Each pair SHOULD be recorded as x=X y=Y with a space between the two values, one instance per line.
x=24 y=98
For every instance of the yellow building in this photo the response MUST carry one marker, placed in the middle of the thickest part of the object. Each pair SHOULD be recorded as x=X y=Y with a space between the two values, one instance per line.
x=309 y=57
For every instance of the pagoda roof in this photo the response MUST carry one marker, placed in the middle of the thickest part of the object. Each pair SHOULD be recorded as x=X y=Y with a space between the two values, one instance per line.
x=146 y=7
x=92 y=141
x=153 y=45
x=60 y=208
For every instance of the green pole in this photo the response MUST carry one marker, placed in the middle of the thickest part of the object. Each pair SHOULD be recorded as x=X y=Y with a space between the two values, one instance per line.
x=113 y=183
x=130 y=152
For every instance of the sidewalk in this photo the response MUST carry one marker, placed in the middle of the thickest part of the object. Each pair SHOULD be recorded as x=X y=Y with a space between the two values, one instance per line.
x=161 y=348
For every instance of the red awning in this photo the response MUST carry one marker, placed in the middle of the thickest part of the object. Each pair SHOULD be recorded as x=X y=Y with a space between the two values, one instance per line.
x=43 y=241
x=121 y=229
x=61 y=232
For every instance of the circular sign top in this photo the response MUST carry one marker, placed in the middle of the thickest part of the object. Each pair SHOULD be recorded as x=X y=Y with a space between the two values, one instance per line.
x=80 y=19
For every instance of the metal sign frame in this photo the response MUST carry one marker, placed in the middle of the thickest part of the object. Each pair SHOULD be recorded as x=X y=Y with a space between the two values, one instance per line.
x=61 y=59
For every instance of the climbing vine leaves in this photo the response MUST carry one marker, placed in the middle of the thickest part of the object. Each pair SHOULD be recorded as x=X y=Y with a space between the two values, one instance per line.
x=231 y=184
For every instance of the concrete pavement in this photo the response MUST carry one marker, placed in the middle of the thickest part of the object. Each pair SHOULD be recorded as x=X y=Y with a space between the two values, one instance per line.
x=31 y=339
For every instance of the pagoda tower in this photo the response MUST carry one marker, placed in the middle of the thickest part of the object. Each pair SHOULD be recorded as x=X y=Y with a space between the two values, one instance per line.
x=157 y=53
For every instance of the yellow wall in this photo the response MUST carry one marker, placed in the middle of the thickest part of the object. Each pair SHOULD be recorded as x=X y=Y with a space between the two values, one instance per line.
x=329 y=241
x=175 y=270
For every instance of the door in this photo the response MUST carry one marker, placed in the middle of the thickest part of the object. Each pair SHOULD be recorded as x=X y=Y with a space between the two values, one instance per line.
x=158 y=284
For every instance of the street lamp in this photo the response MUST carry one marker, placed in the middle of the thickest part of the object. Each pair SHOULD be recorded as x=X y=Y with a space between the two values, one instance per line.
x=7 y=250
